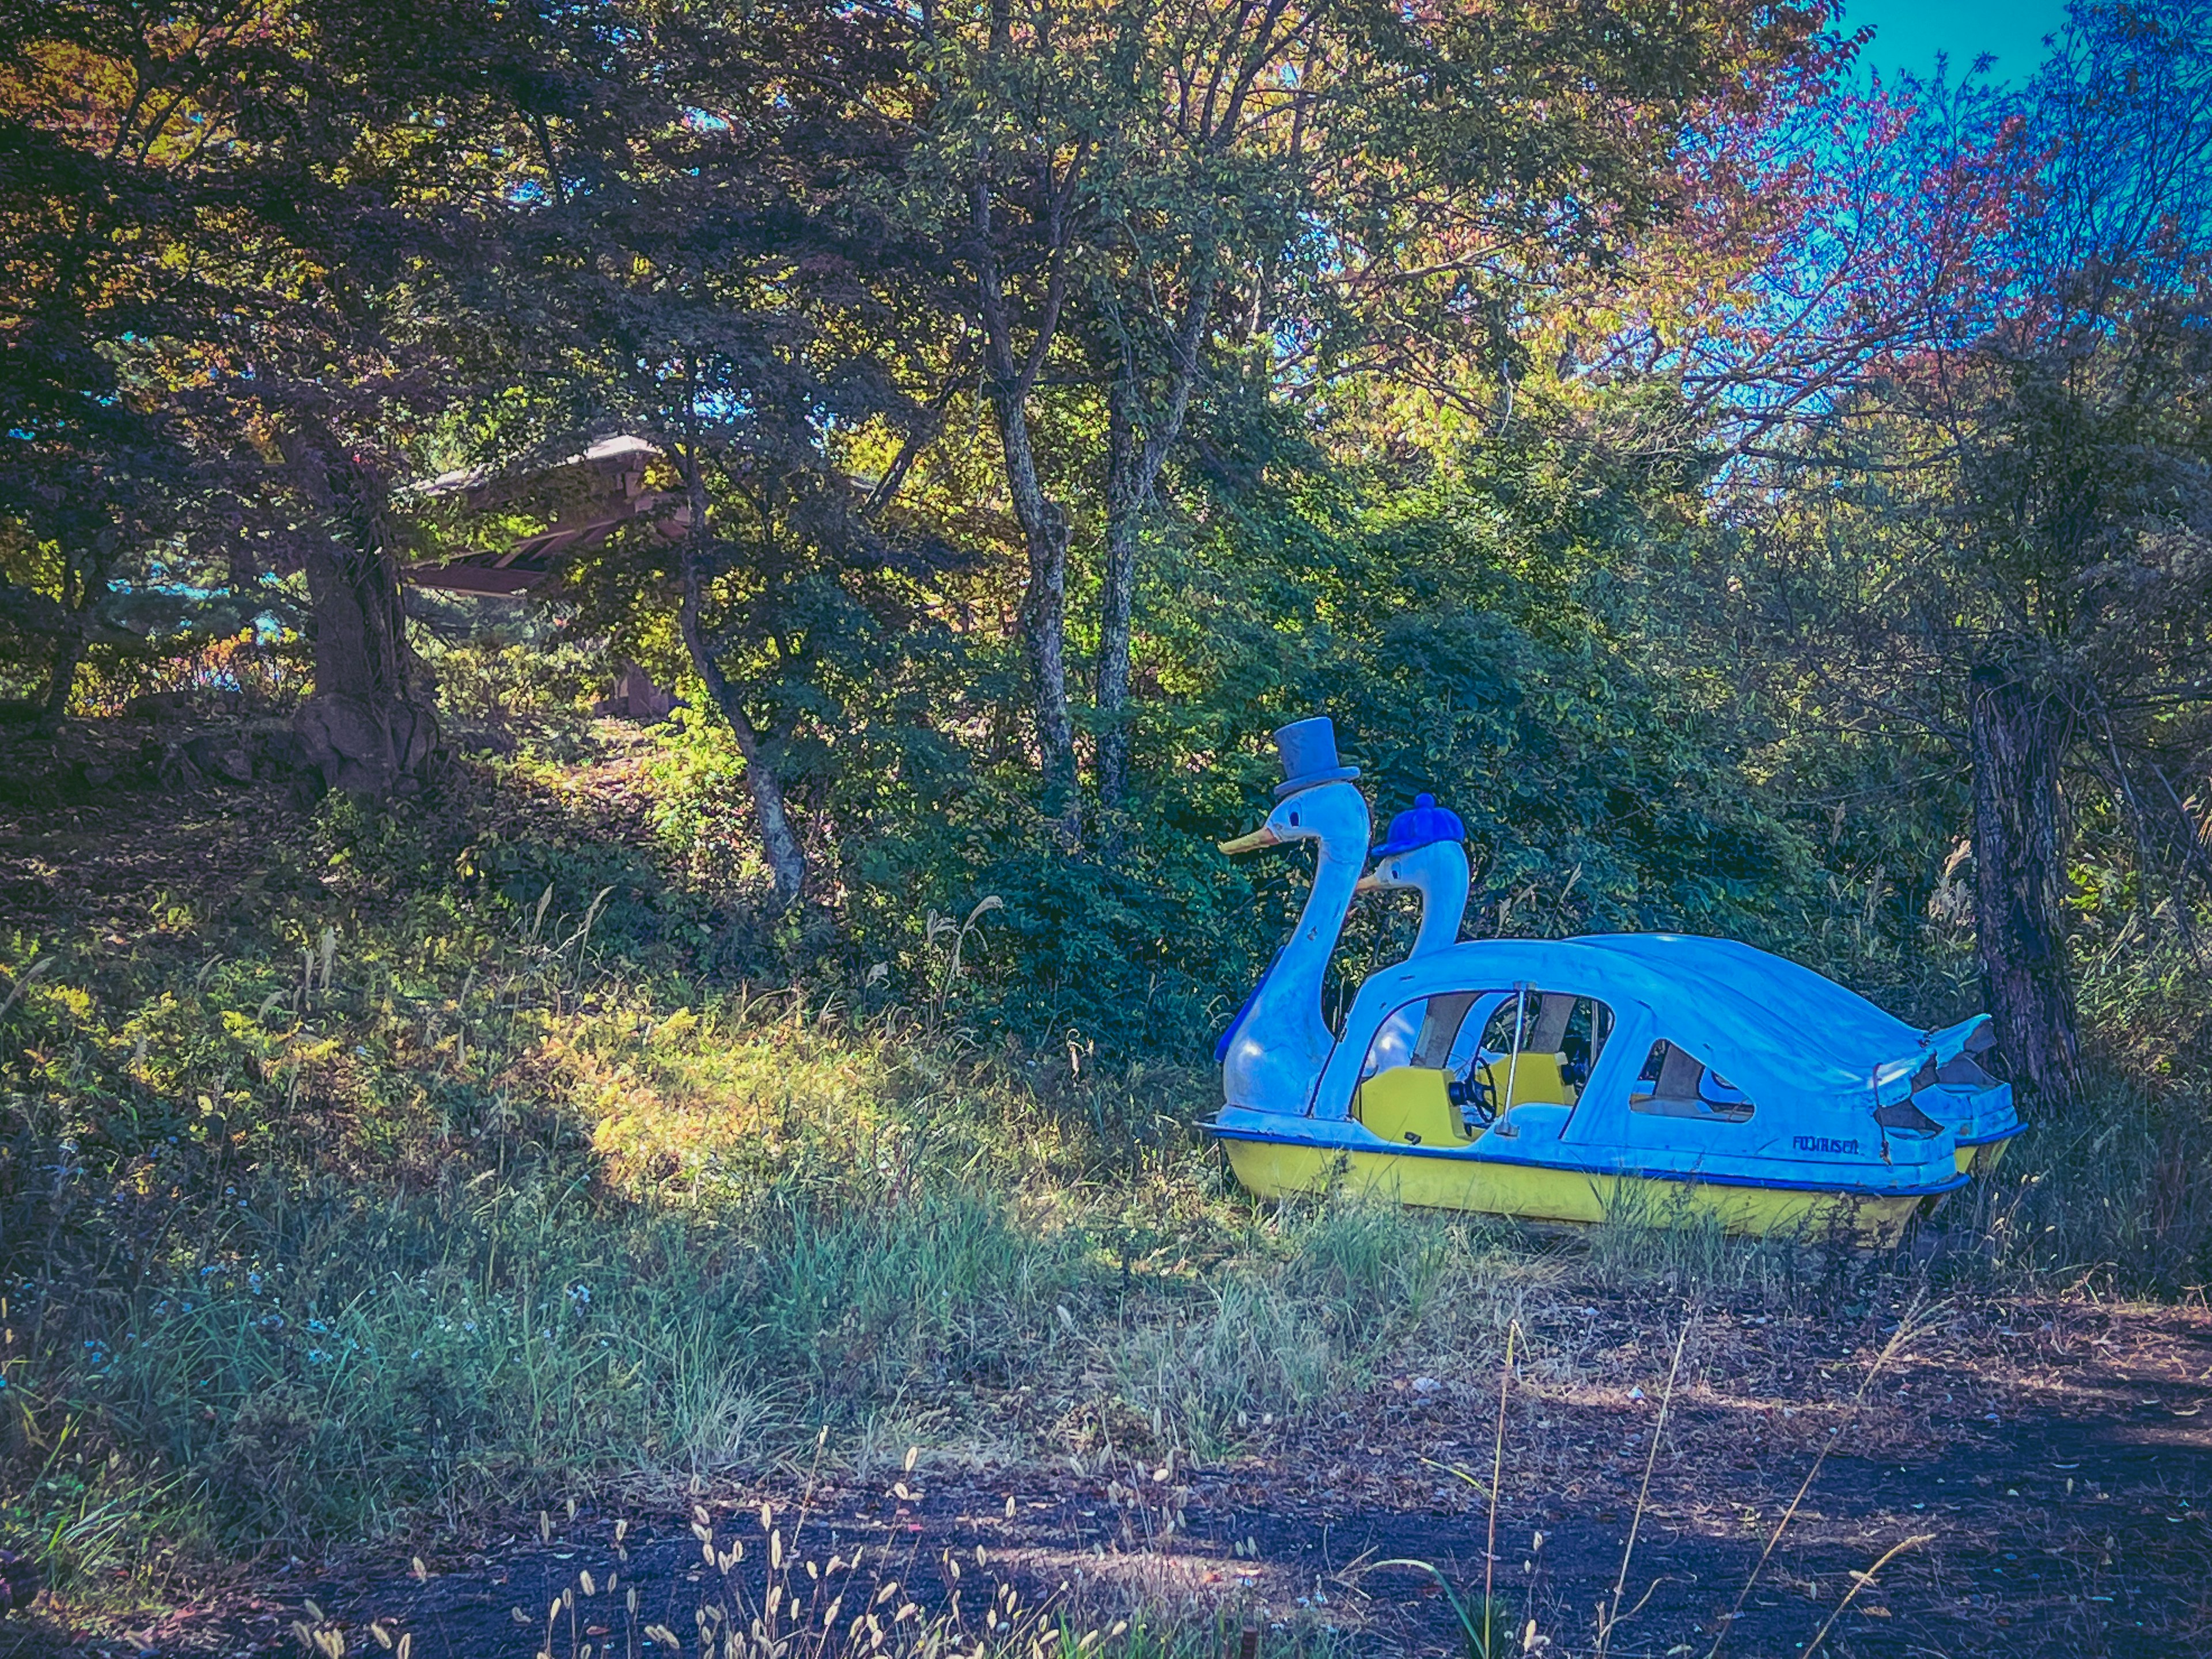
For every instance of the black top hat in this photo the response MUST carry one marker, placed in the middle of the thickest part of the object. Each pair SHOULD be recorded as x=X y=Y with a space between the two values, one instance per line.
x=1309 y=750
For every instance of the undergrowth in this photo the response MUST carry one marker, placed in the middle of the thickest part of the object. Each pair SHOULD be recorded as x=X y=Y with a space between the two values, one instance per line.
x=426 y=1174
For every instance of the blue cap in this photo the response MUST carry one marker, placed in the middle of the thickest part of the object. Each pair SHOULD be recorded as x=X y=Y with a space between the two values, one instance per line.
x=1425 y=825
x=1309 y=752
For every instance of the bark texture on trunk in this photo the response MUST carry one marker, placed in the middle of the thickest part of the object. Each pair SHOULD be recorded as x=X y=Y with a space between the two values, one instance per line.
x=370 y=729
x=2019 y=877
x=1046 y=530
x=1134 y=459
x=1043 y=616
x=786 y=863
x=61 y=679
x=1117 y=589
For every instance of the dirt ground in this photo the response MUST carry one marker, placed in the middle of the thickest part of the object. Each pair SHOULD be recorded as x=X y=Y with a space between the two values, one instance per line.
x=2055 y=1469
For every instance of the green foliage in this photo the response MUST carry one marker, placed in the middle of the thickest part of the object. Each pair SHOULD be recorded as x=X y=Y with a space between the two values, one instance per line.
x=2115 y=1198
x=1325 y=1313
x=1492 y=637
x=507 y=664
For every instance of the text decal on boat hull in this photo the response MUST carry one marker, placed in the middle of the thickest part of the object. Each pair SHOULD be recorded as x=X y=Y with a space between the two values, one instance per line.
x=1824 y=1144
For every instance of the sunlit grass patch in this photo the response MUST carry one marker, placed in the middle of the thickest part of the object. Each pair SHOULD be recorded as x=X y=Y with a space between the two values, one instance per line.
x=1344 y=1294
x=706 y=1106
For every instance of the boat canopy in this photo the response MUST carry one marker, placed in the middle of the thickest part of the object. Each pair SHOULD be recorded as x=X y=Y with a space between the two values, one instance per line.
x=1776 y=1030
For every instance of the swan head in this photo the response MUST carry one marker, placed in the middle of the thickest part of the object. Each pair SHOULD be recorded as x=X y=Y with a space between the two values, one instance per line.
x=1428 y=869
x=1333 y=814
x=1423 y=852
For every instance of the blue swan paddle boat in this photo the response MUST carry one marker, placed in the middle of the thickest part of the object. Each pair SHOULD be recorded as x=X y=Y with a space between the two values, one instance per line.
x=1653 y=1075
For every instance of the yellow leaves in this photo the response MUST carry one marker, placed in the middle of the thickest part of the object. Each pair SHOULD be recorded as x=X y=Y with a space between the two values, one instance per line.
x=70 y=1001
x=675 y=1031
x=68 y=90
x=315 y=1050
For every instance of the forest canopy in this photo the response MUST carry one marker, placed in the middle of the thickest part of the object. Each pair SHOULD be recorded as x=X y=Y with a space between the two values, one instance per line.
x=1761 y=498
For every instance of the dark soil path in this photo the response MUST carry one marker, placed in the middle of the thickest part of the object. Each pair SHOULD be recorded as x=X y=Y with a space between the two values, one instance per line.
x=2078 y=1522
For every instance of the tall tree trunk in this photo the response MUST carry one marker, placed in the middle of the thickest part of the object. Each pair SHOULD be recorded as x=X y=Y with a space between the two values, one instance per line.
x=1134 y=459
x=1117 y=589
x=2019 y=872
x=1043 y=616
x=61 y=679
x=370 y=729
x=1045 y=527
x=786 y=864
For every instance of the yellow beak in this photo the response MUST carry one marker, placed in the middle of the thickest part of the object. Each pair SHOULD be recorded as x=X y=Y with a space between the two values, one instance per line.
x=1263 y=837
x=1368 y=884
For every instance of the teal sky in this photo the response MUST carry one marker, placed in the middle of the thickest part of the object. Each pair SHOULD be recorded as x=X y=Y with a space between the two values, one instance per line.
x=1909 y=32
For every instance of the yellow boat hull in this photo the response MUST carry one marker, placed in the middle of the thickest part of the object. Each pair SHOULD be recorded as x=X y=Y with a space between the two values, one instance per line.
x=1283 y=1170
x=1980 y=1160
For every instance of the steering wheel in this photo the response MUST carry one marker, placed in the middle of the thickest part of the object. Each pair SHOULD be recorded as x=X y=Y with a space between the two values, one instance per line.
x=1473 y=1095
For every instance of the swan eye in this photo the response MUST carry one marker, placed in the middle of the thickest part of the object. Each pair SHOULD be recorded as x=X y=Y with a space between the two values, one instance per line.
x=1294 y=820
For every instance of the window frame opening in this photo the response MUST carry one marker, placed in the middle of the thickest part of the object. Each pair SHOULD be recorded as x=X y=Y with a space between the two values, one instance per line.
x=1566 y=1025
x=1485 y=1082
x=1678 y=1088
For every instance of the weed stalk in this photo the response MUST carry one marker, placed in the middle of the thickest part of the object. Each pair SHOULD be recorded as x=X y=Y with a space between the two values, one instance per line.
x=1642 y=1492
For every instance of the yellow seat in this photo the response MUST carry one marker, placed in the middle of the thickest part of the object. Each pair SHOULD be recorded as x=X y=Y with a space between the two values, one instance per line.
x=1408 y=1103
x=1537 y=1080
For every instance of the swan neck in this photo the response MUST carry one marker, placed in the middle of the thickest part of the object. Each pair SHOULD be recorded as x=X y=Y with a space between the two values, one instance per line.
x=1276 y=1055
x=1439 y=925
x=1336 y=874
x=1444 y=903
